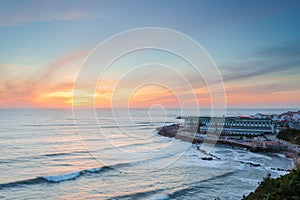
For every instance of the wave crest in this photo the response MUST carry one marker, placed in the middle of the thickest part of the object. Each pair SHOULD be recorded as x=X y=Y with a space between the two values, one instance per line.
x=62 y=177
x=53 y=178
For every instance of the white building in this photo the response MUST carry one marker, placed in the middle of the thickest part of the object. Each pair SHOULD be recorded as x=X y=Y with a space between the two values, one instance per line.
x=230 y=125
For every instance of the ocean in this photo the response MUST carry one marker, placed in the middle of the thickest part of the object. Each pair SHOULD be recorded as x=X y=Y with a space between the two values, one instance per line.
x=46 y=154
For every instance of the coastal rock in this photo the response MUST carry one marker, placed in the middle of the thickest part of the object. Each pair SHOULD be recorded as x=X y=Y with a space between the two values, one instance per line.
x=207 y=158
x=169 y=131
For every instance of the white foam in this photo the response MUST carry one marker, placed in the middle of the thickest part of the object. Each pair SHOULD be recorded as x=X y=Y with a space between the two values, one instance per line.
x=281 y=173
x=280 y=155
x=250 y=181
x=94 y=170
x=241 y=167
x=159 y=197
x=62 y=177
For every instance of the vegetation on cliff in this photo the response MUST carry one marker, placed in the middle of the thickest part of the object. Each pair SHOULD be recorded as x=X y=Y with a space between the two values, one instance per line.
x=284 y=187
x=290 y=135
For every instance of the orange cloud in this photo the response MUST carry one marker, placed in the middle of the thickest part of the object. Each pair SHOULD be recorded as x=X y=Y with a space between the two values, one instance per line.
x=150 y=95
x=50 y=87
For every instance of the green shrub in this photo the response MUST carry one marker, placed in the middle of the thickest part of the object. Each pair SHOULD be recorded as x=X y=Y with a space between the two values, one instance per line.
x=290 y=135
x=284 y=187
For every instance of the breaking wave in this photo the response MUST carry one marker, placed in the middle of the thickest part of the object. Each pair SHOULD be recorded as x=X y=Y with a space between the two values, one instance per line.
x=55 y=178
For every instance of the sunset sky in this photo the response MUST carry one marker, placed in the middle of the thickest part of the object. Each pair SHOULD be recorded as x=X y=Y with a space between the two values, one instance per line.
x=255 y=45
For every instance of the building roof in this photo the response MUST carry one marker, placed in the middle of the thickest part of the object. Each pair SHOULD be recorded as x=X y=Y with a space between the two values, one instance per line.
x=237 y=118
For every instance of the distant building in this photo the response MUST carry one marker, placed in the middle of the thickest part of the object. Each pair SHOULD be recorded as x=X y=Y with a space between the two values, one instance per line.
x=191 y=124
x=230 y=125
x=296 y=117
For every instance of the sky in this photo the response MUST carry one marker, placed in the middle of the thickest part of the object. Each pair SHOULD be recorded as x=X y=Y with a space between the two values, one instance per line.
x=254 y=44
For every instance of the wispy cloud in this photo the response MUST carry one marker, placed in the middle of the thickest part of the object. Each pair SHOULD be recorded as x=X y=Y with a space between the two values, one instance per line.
x=289 y=49
x=33 y=89
x=254 y=80
x=23 y=12
x=268 y=74
x=267 y=60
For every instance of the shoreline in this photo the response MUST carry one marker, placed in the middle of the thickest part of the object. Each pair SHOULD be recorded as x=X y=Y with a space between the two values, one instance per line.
x=173 y=131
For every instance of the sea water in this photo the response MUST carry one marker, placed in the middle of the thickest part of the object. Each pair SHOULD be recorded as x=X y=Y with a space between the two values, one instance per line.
x=100 y=154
